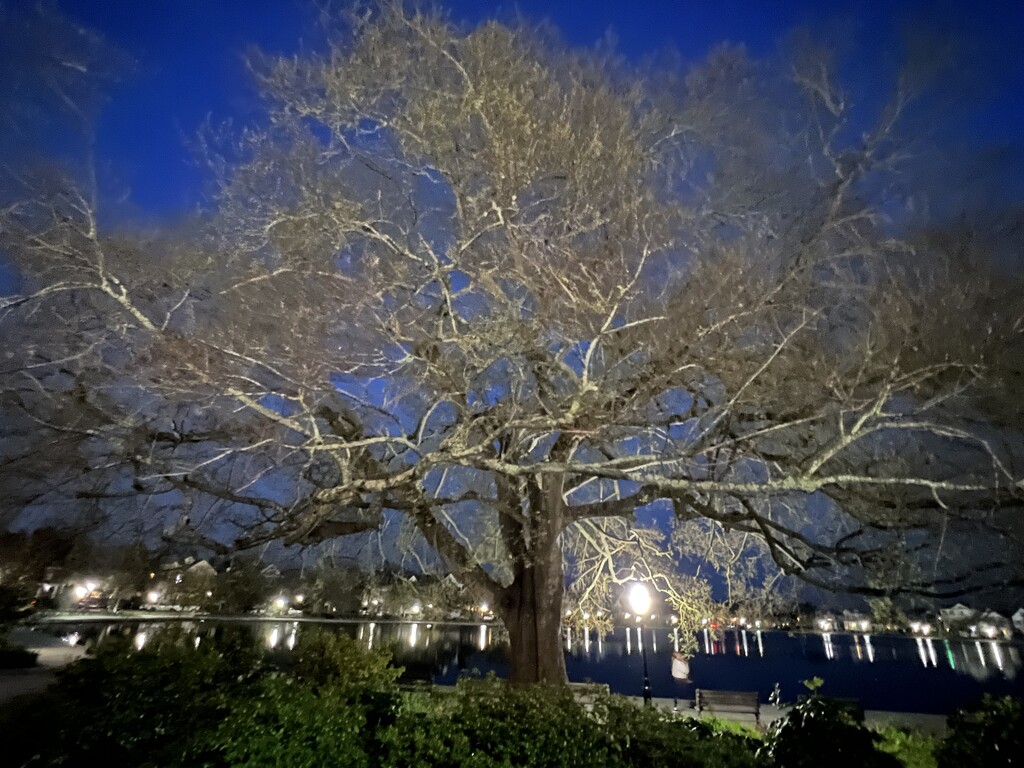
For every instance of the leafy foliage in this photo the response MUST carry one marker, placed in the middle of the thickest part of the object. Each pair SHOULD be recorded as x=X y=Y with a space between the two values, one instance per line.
x=15 y=658
x=425 y=738
x=486 y=723
x=820 y=731
x=912 y=748
x=336 y=660
x=224 y=703
x=537 y=726
x=11 y=603
x=335 y=703
x=990 y=734
x=650 y=737
x=284 y=722
x=134 y=708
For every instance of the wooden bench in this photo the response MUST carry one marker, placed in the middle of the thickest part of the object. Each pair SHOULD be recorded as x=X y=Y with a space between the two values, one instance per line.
x=729 y=702
x=416 y=686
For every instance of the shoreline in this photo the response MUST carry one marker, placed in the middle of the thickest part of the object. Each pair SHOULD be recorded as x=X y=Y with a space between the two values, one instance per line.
x=130 y=616
x=46 y=627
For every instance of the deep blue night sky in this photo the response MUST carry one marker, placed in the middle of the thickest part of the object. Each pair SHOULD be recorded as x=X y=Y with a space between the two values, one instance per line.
x=188 y=56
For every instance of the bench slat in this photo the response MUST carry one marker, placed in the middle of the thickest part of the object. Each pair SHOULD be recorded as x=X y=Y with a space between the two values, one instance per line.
x=745 y=702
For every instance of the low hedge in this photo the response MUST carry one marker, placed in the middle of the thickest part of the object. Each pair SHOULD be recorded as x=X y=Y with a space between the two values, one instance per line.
x=987 y=735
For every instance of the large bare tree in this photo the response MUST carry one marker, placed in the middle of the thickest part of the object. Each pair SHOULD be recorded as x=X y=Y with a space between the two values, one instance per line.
x=478 y=296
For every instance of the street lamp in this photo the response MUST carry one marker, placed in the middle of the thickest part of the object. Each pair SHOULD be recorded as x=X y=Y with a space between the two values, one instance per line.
x=640 y=602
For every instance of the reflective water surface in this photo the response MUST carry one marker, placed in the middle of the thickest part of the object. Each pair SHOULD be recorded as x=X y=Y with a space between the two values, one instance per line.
x=884 y=672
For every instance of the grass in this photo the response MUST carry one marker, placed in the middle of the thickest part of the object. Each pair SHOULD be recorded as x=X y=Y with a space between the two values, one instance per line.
x=912 y=748
x=721 y=725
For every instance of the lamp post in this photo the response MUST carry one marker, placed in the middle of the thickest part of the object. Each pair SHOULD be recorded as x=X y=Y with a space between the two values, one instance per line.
x=640 y=602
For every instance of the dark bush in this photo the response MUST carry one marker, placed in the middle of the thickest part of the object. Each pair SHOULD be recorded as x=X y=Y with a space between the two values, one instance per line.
x=914 y=749
x=334 y=703
x=328 y=658
x=12 y=657
x=428 y=739
x=825 y=732
x=221 y=703
x=537 y=726
x=487 y=723
x=13 y=602
x=138 y=708
x=26 y=727
x=990 y=734
x=641 y=736
x=285 y=722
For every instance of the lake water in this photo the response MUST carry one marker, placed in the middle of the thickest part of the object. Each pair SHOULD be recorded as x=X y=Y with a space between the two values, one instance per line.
x=884 y=672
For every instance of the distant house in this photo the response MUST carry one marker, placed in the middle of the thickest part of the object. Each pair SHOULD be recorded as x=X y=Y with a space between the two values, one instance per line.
x=993 y=625
x=1018 y=620
x=958 y=614
x=271 y=572
x=201 y=570
x=825 y=622
x=920 y=624
x=960 y=618
x=854 y=621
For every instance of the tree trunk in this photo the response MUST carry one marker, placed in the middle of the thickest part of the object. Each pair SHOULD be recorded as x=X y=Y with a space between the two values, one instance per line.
x=532 y=613
x=531 y=606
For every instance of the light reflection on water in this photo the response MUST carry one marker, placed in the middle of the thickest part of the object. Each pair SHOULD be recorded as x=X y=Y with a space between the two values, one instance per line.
x=887 y=672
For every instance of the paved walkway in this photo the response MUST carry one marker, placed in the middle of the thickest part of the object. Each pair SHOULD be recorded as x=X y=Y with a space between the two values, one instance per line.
x=53 y=653
x=17 y=682
x=934 y=724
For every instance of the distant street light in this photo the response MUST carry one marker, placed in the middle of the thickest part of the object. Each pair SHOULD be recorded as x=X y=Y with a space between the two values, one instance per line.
x=153 y=597
x=640 y=602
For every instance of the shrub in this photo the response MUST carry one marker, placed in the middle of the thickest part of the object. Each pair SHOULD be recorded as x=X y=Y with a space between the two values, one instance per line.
x=644 y=736
x=329 y=658
x=721 y=725
x=536 y=726
x=223 y=703
x=990 y=735
x=327 y=705
x=428 y=739
x=12 y=657
x=912 y=748
x=12 y=602
x=134 y=708
x=487 y=723
x=286 y=722
x=26 y=724
x=825 y=732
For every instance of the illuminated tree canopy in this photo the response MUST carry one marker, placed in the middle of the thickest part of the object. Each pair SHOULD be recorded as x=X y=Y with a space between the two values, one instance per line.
x=482 y=296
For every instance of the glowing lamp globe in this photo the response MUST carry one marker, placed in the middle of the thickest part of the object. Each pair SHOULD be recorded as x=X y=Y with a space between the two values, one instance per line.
x=639 y=599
